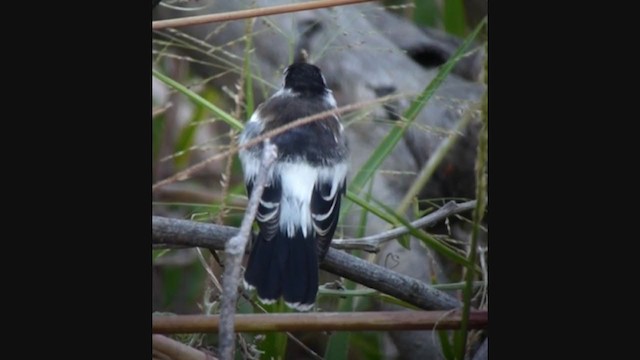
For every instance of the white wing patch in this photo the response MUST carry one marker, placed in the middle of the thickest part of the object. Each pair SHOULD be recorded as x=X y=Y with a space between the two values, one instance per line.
x=298 y=181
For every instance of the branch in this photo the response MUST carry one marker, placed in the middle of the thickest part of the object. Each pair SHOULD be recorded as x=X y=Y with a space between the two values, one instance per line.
x=323 y=321
x=249 y=13
x=176 y=350
x=372 y=243
x=235 y=249
x=191 y=233
x=186 y=173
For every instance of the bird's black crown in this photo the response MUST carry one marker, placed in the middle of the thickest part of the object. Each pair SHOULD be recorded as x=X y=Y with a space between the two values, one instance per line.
x=304 y=79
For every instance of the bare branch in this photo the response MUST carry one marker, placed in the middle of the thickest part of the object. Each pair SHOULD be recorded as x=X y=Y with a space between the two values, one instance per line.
x=164 y=347
x=321 y=321
x=249 y=13
x=190 y=233
x=234 y=250
x=398 y=285
x=372 y=243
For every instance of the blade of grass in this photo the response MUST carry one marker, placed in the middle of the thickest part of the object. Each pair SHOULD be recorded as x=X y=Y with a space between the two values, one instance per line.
x=389 y=215
x=338 y=345
x=362 y=226
x=230 y=120
x=275 y=343
x=434 y=161
x=481 y=196
x=367 y=344
x=395 y=301
x=395 y=134
x=454 y=17
x=445 y=344
x=248 y=75
x=425 y=237
x=339 y=342
x=370 y=208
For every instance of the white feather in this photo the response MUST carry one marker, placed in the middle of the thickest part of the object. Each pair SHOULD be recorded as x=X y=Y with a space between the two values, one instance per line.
x=329 y=99
x=298 y=180
x=299 y=307
x=266 y=301
x=247 y=286
x=282 y=92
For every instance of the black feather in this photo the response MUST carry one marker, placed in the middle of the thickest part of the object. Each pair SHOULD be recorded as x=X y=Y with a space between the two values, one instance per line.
x=325 y=228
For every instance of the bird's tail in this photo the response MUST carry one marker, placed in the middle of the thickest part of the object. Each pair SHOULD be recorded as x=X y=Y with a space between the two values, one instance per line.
x=286 y=267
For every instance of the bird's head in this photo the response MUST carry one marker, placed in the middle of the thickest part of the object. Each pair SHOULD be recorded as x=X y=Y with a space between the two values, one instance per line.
x=304 y=79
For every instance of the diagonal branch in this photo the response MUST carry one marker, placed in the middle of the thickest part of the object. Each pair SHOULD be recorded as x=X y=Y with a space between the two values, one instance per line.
x=249 y=13
x=235 y=249
x=372 y=243
x=189 y=233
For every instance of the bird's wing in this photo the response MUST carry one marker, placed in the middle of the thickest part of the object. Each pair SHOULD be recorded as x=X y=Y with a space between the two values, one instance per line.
x=268 y=215
x=325 y=209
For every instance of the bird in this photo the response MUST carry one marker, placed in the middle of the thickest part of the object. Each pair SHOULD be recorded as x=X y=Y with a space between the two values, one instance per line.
x=299 y=208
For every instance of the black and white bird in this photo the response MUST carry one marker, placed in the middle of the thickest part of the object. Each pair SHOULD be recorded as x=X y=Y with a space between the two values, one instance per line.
x=298 y=211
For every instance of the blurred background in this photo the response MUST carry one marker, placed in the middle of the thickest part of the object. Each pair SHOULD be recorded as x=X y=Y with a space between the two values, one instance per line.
x=366 y=51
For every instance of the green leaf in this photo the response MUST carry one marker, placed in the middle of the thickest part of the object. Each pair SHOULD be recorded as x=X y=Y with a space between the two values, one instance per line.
x=275 y=343
x=370 y=207
x=226 y=117
x=445 y=344
x=367 y=344
x=338 y=344
x=248 y=75
x=395 y=301
x=405 y=241
x=454 y=17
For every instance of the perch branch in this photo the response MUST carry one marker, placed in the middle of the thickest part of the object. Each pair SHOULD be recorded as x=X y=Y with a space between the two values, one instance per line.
x=372 y=243
x=250 y=13
x=190 y=233
x=235 y=249
x=324 y=321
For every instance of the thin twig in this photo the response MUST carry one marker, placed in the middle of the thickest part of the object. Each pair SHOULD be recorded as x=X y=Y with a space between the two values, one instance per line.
x=321 y=321
x=234 y=251
x=184 y=174
x=478 y=214
x=249 y=13
x=161 y=110
x=406 y=288
x=372 y=243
